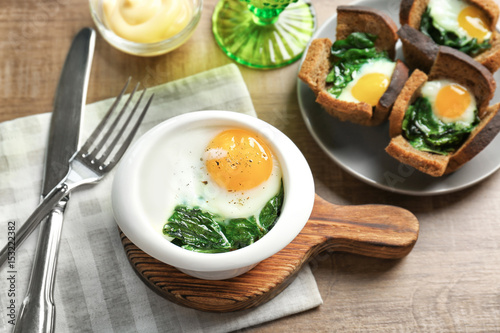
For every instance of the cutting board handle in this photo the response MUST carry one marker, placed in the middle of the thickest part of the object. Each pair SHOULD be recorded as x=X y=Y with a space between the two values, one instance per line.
x=379 y=231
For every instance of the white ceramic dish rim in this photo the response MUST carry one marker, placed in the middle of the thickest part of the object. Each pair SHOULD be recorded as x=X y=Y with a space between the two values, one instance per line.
x=297 y=206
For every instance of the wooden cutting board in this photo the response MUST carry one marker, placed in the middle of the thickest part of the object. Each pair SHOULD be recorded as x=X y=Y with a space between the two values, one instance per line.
x=379 y=231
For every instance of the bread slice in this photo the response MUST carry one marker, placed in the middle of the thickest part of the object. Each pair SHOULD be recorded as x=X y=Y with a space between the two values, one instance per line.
x=369 y=20
x=419 y=50
x=410 y=13
x=491 y=58
x=357 y=113
x=386 y=102
x=318 y=63
x=431 y=164
x=456 y=66
x=405 y=99
x=480 y=137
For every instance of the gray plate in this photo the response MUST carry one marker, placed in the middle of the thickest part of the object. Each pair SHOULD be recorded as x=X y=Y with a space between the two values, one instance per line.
x=360 y=150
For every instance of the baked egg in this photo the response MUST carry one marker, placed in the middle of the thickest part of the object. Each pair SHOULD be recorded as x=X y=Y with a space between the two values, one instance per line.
x=450 y=101
x=231 y=172
x=460 y=17
x=369 y=83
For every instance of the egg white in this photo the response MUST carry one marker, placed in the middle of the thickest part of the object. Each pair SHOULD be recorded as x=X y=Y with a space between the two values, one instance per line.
x=430 y=90
x=189 y=183
x=381 y=65
x=445 y=14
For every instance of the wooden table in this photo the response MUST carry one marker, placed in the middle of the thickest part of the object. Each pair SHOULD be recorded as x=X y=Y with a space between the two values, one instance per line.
x=449 y=283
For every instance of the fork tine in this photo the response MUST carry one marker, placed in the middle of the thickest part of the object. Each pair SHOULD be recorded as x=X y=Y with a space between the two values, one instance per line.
x=90 y=141
x=109 y=132
x=112 y=145
x=129 y=138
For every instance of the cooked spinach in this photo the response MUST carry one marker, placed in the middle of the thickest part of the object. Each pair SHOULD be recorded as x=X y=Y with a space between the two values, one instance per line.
x=200 y=231
x=428 y=133
x=449 y=38
x=196 y=230
x=349 y=55
x=271 y=211
x=243 y=232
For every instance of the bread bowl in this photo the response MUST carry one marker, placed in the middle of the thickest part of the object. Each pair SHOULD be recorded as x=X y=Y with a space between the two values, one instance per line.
x=428 y=23
x=428 y=147
x=321 y=62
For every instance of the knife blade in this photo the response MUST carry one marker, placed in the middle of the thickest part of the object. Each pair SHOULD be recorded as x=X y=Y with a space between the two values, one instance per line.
x=37 y=312
x=63 y=140
x=68 y=103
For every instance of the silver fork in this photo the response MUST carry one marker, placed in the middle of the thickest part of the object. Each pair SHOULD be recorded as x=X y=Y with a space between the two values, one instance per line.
x=98 y=155
x=94 y=160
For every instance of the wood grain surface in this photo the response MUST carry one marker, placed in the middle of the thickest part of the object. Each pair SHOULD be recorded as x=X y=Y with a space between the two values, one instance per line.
x=450 y=282
x=379 y=231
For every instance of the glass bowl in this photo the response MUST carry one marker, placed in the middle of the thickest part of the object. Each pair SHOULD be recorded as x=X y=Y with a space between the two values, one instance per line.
x=144 y=49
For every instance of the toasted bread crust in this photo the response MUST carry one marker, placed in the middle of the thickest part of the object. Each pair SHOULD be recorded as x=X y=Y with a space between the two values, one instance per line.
x=459 y=67
x=384 y=105
x=480 y=137
x=365 y=19
x=491 y=57
x=407 y=96
x=432 y=164
x=410 y=12
x=419 y=50
x=358 y=113
x=316 y=65
x=420 y=55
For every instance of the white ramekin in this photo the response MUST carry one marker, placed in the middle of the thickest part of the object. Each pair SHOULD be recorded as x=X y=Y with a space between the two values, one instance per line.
x=131 y=197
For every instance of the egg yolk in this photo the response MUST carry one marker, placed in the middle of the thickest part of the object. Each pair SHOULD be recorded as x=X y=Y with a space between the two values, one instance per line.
x=474 y=21
x=370 y=88
x=452 y=101
x=238 y=159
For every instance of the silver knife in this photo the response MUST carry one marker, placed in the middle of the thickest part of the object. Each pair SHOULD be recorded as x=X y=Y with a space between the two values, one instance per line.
x=65 y=128
x=37 y=312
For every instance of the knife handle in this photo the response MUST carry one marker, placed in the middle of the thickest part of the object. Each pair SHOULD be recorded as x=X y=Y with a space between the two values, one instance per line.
x=37 y=312
x=43 y=209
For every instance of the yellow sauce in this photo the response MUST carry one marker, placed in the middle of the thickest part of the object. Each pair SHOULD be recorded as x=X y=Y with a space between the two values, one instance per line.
x=147 y=21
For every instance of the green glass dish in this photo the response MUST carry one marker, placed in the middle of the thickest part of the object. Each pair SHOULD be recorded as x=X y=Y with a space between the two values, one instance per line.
x=263 y=34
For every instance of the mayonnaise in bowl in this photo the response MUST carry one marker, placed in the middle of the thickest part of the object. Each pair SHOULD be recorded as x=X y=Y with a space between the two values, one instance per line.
x=147 y=21
x=146 y=27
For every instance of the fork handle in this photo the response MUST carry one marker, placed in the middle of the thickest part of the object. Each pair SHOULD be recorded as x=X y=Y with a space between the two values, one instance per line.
x=43 y=209
x=37 y=312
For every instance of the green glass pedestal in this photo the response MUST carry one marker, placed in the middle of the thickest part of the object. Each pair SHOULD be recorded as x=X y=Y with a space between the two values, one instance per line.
x=264 y=38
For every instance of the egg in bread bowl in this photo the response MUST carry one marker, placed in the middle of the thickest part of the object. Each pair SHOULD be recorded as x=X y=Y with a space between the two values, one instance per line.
x=466 y=25
x=356 y=78
x=442 y=120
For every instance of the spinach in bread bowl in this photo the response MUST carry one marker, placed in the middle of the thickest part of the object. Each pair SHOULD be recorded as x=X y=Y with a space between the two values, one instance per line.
x=426 y=132
x=430 y=135
x=350 y=54
x=364 y=35
x=466 y=25
x=442 y=36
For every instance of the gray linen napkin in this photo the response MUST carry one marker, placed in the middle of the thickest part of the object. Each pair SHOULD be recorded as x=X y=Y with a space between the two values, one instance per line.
x=96 y=288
